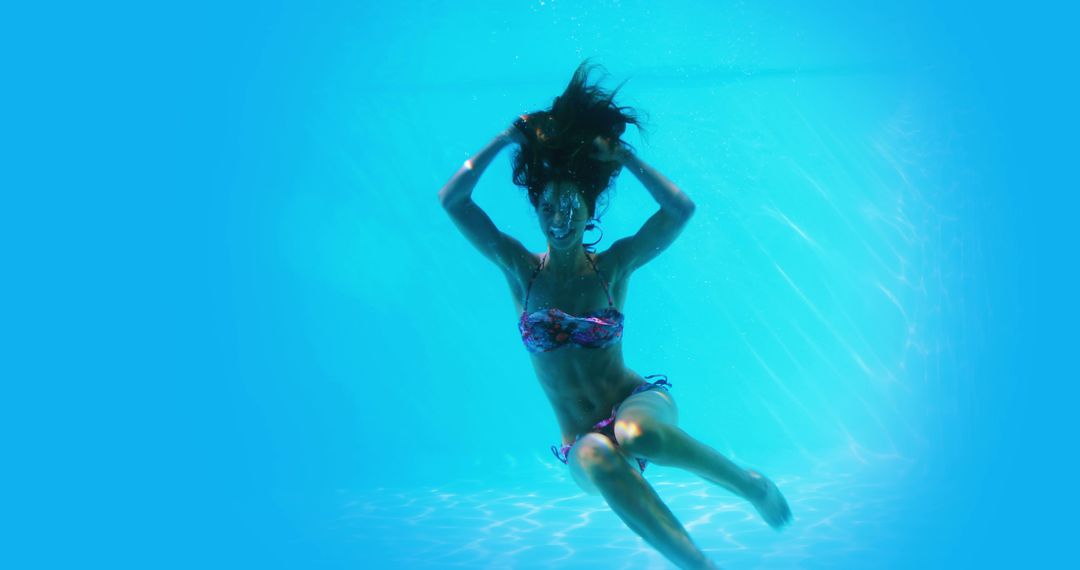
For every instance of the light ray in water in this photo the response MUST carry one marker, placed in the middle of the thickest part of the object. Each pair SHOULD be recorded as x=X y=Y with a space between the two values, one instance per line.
x=777 y=213
x=821 y=317
x=892 y=298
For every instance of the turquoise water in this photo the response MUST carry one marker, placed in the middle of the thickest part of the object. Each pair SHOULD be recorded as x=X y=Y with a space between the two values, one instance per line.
x=249 y=336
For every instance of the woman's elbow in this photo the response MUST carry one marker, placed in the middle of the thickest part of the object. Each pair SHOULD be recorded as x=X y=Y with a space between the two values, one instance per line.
x=447 y=198
x=688 y=208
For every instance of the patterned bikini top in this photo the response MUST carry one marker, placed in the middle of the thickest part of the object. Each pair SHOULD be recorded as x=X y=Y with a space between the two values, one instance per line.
x=549 y=329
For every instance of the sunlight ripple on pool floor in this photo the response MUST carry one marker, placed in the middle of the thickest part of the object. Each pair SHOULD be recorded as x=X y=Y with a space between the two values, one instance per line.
x=839 y=517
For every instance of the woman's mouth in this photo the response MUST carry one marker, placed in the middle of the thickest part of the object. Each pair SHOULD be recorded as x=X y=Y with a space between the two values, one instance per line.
x=559 y=233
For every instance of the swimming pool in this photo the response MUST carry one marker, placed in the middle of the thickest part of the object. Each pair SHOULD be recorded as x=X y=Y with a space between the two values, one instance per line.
x=296 y=360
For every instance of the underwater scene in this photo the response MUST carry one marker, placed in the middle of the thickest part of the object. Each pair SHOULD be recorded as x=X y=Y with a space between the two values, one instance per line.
x=356 y=285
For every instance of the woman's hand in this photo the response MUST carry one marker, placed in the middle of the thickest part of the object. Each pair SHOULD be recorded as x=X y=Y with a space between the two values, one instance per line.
x=606 y=151
x=514 y=133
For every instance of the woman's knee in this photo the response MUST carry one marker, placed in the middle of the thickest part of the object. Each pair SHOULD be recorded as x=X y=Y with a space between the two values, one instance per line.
x=643 y=421
x=592 y=457
x=640 y=436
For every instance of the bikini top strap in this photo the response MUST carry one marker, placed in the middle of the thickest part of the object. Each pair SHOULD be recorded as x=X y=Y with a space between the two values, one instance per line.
x=602 y=282
x=531 y=279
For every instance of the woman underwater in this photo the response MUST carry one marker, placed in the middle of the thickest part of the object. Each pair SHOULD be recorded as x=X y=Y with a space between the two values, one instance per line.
x=567 y=157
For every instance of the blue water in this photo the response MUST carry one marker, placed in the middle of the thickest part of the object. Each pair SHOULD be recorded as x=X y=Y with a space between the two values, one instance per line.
x=242 y=333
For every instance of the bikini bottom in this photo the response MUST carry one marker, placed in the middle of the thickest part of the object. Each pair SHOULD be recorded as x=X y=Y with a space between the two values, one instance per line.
x=607 y=426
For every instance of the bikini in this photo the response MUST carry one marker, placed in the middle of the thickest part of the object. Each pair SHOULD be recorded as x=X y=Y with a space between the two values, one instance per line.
x=550 y=329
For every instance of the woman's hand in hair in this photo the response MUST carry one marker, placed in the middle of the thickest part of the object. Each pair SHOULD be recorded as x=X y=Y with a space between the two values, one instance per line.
x=606 y=151
x=516 y=133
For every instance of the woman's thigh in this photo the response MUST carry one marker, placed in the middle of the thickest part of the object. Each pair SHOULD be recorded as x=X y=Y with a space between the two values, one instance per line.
x=654 y=405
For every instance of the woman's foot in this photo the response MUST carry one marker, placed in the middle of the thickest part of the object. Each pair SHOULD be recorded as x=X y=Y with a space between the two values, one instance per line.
x=769 y=501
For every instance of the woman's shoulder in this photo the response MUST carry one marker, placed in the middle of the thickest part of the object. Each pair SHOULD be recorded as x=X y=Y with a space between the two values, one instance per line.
x=607 y=263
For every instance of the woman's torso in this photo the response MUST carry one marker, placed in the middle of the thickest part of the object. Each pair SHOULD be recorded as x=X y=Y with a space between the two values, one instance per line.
x=582 y=384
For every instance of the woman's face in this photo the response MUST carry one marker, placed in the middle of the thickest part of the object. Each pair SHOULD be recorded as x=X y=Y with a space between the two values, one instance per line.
x=563 y=214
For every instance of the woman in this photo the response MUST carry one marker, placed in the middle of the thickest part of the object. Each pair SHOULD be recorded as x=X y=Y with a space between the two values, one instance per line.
x=567 y=157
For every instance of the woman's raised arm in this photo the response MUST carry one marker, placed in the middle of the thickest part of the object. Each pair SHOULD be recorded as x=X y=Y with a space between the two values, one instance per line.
x=660 y=230
x=456 y=198
x=459 y=188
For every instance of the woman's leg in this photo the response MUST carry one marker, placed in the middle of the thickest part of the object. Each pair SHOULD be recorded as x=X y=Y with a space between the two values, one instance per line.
x=598 y=466
x=645 y=427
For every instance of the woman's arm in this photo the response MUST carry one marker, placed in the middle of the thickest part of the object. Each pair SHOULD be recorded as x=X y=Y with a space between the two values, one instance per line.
x=459 y=188
x=456 y=198
x=671 y=199
x=659 y=231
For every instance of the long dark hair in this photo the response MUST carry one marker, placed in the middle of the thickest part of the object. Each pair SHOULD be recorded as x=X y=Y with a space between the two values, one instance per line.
x=559 y=140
